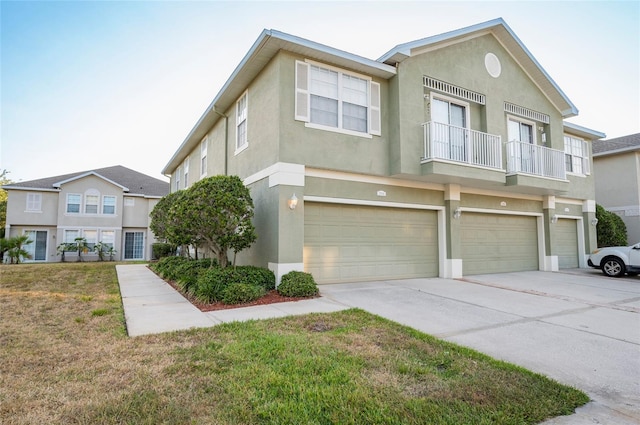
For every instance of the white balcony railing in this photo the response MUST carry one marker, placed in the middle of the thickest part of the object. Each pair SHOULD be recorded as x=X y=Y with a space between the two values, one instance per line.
x=526 y=158
x=458 y=144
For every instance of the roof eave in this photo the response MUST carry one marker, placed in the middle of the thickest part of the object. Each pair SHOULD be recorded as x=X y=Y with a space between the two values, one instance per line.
x=585 y=132
x=88 y=173
x=268 y=44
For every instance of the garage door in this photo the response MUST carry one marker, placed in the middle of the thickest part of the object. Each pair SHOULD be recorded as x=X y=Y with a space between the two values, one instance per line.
x=344 y=243
x=495 y=243
x=566 y=239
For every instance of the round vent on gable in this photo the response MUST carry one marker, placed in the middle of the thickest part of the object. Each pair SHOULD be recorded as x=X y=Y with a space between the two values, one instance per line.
x=492 y=63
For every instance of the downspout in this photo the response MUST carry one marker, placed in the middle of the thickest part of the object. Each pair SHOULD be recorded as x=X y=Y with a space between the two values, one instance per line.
x=226 y=136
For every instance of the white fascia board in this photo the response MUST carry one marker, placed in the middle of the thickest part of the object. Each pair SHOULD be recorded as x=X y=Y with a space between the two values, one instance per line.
x=583 y=131
x=35 y=189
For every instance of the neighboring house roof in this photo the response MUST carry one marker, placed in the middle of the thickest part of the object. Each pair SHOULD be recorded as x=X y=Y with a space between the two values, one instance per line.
x=617 y=145
x=131 y=182
x=270 y=42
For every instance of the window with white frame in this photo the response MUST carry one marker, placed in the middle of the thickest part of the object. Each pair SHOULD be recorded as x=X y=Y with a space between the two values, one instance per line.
x=108 y=205
x=34 y=202
x=521 y=130
x=203 y=157
x=91 y=201
x=177 y=179
x=576 y=154
x=107 y=237
x=241 y=123
x=73 y=203
x=334 y=99
x=70 y=236
x=91 y=238
x=185 y=167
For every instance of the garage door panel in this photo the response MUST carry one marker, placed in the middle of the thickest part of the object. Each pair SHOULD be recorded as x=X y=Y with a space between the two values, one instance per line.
x=351 y=243
x=495 y=243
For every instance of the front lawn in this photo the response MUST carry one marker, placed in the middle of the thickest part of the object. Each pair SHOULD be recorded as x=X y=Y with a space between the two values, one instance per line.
x=65 y=359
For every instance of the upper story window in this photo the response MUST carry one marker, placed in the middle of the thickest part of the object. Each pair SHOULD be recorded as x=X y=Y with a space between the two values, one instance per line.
x=91 y=202
x=108 y=204
x=241 y=123
x=576 y=154
x=203 y=157
x=521 y=130
x=185 y=167
x=34 y=202
x=73 y=203
x=334 y=99
x=177 y=179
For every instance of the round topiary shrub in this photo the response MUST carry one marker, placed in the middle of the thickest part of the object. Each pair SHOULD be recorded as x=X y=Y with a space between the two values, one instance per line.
x=298 y=284
x=240 y=293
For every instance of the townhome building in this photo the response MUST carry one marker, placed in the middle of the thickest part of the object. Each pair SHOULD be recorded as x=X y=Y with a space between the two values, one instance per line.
x=447 y=156
x=107 y=205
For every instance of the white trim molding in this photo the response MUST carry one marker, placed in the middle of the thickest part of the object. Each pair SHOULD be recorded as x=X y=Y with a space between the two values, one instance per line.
x=280 y=173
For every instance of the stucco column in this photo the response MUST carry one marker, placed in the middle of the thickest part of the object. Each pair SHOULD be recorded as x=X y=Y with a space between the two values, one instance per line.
x=589 y=222
x=549 y=221
x=453 y=260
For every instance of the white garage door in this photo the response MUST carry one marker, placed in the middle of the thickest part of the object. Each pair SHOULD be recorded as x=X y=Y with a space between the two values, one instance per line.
x=566 y=239
x=495 y=243
x=346 y=243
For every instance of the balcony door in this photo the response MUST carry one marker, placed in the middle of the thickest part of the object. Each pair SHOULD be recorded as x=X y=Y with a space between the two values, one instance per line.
x=450 y=129
x=520 y=131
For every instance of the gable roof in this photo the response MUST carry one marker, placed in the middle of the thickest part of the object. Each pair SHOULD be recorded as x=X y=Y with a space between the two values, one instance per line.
x=617 y=145
x=512 y=44
x=130 y=181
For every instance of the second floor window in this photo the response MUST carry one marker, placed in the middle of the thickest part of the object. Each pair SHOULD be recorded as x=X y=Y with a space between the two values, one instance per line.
x=178 y=172
x=91 y=204
x=241 y=123
x=330 y=98
x=34 y=202
x=73 y=203
x=576 y=154
x=203 y=157
x=521 y=131
x=185 y=167
x=109 y=205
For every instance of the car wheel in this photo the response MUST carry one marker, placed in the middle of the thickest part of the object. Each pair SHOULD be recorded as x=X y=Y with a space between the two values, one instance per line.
x=613 y=267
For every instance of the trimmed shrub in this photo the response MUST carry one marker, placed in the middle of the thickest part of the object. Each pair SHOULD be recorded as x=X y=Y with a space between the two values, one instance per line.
x=160 y=250
x=211 y=283
x=298 y=284
x=187 y=273
x=166 y=266
x=611 y=228
x=240 y=293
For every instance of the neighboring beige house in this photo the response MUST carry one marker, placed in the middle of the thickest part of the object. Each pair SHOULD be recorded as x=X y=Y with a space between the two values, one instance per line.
x=616 y=165
x=447 y=156
x=109 y=205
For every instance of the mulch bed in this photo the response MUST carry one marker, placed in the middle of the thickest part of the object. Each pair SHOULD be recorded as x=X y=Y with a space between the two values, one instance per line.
x=272 y=297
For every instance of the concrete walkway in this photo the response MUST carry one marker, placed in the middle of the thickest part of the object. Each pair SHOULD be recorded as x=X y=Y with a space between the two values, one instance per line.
x=152 y=306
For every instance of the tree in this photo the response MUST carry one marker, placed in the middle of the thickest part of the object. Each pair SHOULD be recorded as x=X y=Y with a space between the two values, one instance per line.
x=610 y=228
x=167 y=224
x=218 y=212
x=16 y=249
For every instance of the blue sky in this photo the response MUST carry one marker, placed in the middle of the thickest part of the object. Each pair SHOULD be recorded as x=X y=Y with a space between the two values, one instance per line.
x=92 y=84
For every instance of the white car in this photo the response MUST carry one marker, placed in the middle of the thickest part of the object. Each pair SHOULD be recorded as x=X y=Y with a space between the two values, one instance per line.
x=615 y=261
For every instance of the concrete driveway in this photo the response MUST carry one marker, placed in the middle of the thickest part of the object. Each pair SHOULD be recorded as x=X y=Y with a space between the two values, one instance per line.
x=577 y=327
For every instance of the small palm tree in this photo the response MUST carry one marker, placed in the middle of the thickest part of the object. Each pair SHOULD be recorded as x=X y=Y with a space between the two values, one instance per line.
x=81 y=246
x=99 y=248
x=16 y=251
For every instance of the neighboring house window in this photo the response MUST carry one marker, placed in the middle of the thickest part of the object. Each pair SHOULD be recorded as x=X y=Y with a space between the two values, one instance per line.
x=34 y=202
x=185 y=167
x=129 y=202
x=241 y=123
x=203 y=157
x=73 y=203
x=109 y=205
x=91 y=236
x=133 y=245
x=177 y=180
x=576 y=154
x=107 y=237
x=91 y=201
x=71 y=235
x=521 y=131
x=331 y=98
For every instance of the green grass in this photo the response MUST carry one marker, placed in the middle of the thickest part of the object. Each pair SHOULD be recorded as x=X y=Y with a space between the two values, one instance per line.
x=62 y=362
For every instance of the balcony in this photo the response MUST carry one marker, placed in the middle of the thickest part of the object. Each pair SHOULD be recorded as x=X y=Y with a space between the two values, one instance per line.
x=536 y=168
x=460 y=155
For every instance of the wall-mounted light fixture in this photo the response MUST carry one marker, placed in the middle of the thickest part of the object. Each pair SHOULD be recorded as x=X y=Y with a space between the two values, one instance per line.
x=554 y=219
x=594 y=222
x=293 y=202
x=457 y=213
